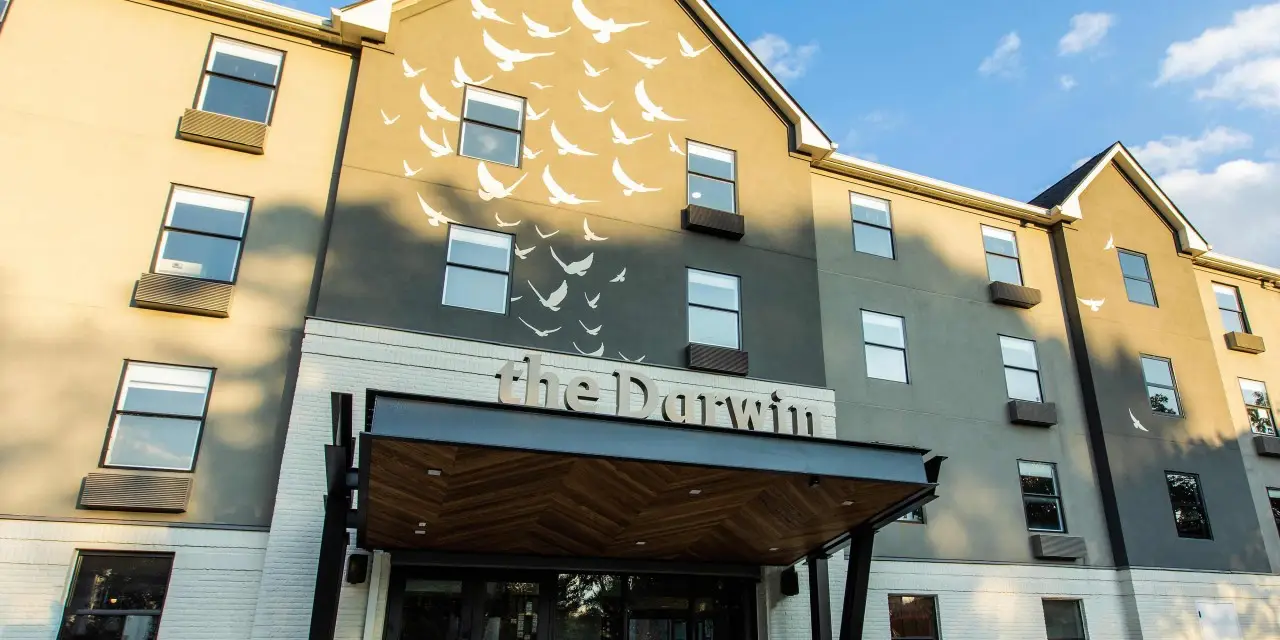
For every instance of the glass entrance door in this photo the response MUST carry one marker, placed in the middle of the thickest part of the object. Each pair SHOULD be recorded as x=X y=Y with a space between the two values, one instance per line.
x=432 y=610
x=465 y=609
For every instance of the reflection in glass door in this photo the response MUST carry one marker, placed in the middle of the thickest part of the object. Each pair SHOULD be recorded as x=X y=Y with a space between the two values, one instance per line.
x=510 y=611
x=432 y=610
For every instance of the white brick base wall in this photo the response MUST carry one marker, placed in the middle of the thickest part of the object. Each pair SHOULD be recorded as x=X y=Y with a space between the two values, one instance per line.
x=215 y=580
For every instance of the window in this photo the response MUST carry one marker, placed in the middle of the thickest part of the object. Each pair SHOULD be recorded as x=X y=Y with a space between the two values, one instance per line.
x=1273 y=495
x=492 y=126
x=116 y=596
x=713 y=309
x=1189 y=514
x=1064 y=620
x=1137 y=278
x=915 y=515
x=713 y=177
x=872 y=225
x=4 y=8
x=1021 y=369
x=203 y=235
x=158 y=417
x=477 y=269
x=1258 y=405
x=1041 y=499
x=1001 y=246
x=885 y=342
x=240 y=80
x=1230 y=308
x=913 y=617
x=1161 y=390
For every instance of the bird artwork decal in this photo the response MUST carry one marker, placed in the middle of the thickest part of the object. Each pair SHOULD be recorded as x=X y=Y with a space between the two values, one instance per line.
x=675 y=148
x=409 y=173
x=629 y=186
x=552 y=301
x=409 y=71
x=1136 y=425
x=480 y=12
x=558 y=194
x=640 y=359
x=387 y=120
x=437 y=150
x=517 y=298
x=435 y=110
x=502 y=223
x=539 y=86
x=649 y=63
x=619 y=137
x=652 y=112
x=588 y=234
x=592 y=72
x=687 y=49
x=564 y=146
x=1111 y=243
x=460 y=77
x=597 y=353
x=591 y=302
x=539 y=332
x=604 y=29
x=621 y=277
x=589 y=106
x=1093 y=305
x=542 y=235
x=523 y=253
x=508 y=58
x=434 y=218
x=530 y=154
x=578 y=268
x=541 y=30
x=534 y=115
x=490 y=187
x=590 y=331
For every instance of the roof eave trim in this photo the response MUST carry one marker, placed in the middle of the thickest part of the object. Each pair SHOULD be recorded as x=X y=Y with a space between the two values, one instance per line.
x=365 y=20
x=270 y=16
x=1236 y=266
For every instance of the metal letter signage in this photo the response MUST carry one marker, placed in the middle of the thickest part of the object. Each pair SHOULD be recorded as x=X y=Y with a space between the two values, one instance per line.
x=777 y=413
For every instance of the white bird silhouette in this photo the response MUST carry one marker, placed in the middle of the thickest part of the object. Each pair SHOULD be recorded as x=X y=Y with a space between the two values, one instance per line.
x=507 y=58
x=435 y=110
x=597 y=353
x=566 y=147
x=437 y=150
x=1093 y=305
x=675 y=148
x=586 y=104
x=590 y=235
x=490 y=187
x=409 y=173
x=540 y=332
x=553 y=301
x=539 y=86
x=434 y=218
x=460 y=77
x=687 y=49
x=604 y=29
x=541 y=30
x=640 y=359
x=542 y=235
x=591 y=331
x=578 y=268
x=559 y=195
x=481 y=12
x=591 y=302
x=629 y=186
x=621 y=138
x=521 y=253
x=1111 y=243
x=410 y=72
x=621 y=277
x=649 y=63
x=530 y=154
x=387 y=120
x=517 y=298
x=592 y=72
x=534 y=115
x=502 y=223
x=1136 y=425
x=651 y=111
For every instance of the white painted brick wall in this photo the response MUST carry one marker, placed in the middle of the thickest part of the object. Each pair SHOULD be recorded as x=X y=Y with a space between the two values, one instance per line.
x=215 y=580
x=1166 y=601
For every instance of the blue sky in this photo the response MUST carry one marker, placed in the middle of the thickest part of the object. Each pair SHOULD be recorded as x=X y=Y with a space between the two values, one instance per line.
x=1006 y=96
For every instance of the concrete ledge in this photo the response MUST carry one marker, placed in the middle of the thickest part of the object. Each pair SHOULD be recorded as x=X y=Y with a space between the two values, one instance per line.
x=227 y=132
x=1245 y=342
x=1013 y=295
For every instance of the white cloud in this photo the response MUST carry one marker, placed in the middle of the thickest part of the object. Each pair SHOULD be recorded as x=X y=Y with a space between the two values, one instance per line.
x=1236 y=206
x=1006 y=60
x=1173 y=153
x=785 y=60
x=1255 y=83
x=1066 y=82
x=1087 y=32
x=1251 y=32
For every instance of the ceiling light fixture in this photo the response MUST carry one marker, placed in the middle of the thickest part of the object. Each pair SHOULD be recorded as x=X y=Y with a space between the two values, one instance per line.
x=640 y=543
x=847 y=503
x=694 y=492
x=773 y=548
x=419 y=532
x=422 y=524
x=433 y=472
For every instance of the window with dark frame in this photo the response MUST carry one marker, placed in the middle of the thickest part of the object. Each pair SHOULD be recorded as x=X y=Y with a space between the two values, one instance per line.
x=1041 y=496
x=1273 y=496
x=1257 y=403
x=1137 y=277
x=1189 y=513
x=885 y=346
x=1064 y=620
x=116 y=595
x=915 y=516
x=1230 y=308
x=1021 y=369
x=1162 y=390
x=203 y=234
x=1001 y=247
x=492 y=126
x=240 y=80
x=714 y=309
x=158 y=417
x=913 y=618
x=872 y=225
x=713 y=177
x=4 y=9
x=477 y=270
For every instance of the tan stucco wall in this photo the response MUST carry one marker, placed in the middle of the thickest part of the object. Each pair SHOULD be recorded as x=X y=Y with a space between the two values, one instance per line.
x=88 y=128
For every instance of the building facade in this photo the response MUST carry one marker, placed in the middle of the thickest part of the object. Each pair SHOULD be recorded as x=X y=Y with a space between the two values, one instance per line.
x=438 y=319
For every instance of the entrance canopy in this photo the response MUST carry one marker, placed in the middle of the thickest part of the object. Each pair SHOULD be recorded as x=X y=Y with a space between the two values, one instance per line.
x=448 y=476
